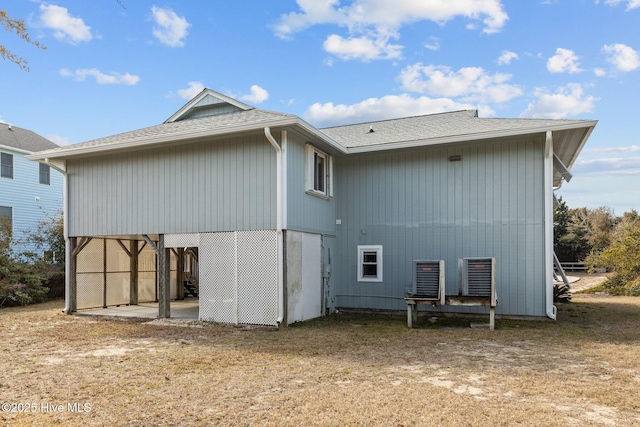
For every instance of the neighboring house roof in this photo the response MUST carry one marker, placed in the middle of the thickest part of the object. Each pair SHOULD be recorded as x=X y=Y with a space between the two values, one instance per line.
x=23 y=140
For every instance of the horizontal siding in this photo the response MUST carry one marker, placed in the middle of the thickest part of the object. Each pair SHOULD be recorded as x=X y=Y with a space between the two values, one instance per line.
x=214 y=186
x=419 y=205
x=30 y=200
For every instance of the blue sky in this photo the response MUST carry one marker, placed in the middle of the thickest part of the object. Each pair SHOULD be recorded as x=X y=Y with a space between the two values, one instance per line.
x=113 y=66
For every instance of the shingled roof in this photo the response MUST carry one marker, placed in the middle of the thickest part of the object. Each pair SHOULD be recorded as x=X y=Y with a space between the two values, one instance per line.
x=432 y=127
x=23 y=139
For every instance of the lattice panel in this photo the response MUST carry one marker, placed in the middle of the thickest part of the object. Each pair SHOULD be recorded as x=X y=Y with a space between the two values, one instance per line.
x=118 y=288
x=89 y=275
x=218 y=277
x=147 y=275
x=185 y=240
x=257 y=277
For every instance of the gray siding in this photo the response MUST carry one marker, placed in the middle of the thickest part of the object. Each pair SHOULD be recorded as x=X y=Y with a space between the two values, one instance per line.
x=215 y=186
x=419 y=205
x=306 y=212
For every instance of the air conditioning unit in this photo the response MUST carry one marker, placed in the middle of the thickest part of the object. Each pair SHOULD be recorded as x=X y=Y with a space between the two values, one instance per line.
x=478 y=278
x=428 y=280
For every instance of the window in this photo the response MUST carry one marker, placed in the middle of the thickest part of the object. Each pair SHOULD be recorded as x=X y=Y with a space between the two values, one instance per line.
x=45 y=174
x=319 y=171
x=6 y=219
x=6 y=165
x=370 y=263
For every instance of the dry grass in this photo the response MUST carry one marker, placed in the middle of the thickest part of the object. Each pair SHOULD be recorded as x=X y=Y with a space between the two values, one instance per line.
x=582 y=370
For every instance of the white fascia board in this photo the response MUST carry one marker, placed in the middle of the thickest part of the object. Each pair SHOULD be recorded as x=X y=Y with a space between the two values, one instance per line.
x=70 y=151
x=17 y=150
x=473 y=137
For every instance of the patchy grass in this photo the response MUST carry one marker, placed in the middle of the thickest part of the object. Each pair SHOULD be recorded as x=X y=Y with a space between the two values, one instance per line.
x=364 y=370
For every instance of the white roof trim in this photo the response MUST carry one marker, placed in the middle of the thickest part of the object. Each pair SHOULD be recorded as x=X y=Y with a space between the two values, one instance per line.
x=17 y=150
x=205 y=92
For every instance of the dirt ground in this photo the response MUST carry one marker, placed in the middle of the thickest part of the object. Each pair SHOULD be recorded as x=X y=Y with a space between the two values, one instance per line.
x=360 y=370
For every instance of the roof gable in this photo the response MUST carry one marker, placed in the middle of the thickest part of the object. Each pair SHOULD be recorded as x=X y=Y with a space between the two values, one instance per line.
x=208 y=103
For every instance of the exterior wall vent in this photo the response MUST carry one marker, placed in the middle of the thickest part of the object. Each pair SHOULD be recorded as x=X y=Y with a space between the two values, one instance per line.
x=428 y=280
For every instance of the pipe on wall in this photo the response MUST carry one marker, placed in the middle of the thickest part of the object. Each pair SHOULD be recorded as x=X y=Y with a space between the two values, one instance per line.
x=548 y=224
x=65 y=232
x=279 y=221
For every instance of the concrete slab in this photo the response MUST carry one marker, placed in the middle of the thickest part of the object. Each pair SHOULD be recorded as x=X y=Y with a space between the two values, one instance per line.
x=187 y=309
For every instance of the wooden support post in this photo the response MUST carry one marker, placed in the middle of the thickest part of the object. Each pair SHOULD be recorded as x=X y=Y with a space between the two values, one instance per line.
x=410 y=315
x=492 y=318
x=133 y=267
x=104 y=273
x=164 y=279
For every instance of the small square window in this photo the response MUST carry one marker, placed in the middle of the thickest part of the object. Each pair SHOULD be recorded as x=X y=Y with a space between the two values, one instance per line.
x=45 y=174
x=319 y=171
x=6 y=165
x=370 y=263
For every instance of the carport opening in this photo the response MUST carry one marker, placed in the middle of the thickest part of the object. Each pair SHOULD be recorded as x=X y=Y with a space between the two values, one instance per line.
x=116 y=276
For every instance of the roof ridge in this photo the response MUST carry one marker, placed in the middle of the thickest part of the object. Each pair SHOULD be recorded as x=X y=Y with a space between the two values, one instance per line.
x=401 y=118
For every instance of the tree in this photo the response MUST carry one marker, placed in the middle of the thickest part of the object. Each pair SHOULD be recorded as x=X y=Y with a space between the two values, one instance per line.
x=18 y=27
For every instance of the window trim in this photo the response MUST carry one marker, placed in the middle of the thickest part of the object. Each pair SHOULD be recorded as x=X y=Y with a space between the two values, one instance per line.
x=310 y=181
x=378 y=251
x=41 y=174
x=11 y=167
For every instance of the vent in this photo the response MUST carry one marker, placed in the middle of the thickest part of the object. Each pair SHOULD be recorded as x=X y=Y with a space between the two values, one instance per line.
x=428 y=280
x=477 y=277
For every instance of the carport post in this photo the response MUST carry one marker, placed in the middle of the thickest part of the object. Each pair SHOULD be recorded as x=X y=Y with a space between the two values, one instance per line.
x=133 y=268
x=164 y=279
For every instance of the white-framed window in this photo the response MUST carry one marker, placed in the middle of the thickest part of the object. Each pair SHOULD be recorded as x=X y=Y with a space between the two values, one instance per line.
x=369 y=263
x=45 y=174
x=319 y=181
x=6 y=165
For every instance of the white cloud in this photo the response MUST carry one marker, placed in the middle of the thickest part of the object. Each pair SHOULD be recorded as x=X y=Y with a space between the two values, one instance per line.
x=618 y=165
x=193 y=89
x=506 y=57
x=631 y=4
x=564 y=61
x=569 y=100
x=599 y=72
x=60 y=140
x=65 y=27
x=605 y=150
x=100 y=77
x=387 y=107
x=471 y=84
x=379 y=20
x=170 y=29
x=622 y=56
x=257 y=96
x=363 y=48
x=433 y=43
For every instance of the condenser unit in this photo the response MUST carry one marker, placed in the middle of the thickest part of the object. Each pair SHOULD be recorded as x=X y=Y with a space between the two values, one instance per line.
x=428 y=280
x=478 y=278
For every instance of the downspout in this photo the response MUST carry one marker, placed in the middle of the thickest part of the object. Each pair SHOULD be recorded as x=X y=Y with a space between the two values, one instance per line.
x=548 y=223
x=279 y=217
x=65 y=233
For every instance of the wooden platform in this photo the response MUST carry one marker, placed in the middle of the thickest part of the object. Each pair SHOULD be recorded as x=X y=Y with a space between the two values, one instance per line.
x=414 y=300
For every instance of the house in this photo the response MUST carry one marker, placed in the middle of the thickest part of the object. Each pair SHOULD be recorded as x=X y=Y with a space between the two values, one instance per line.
x=278 y=221
x=29 y=192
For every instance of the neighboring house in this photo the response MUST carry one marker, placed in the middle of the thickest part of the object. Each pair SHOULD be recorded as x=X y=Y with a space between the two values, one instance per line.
x=288 y=222
x=28 y=191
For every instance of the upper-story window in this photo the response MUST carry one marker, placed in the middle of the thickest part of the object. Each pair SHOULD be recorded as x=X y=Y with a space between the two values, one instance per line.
x=45 y=174
x=319 y=180
x=6 y=165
